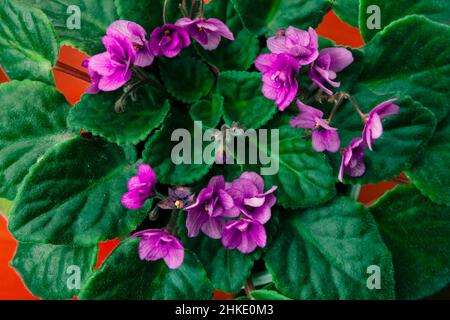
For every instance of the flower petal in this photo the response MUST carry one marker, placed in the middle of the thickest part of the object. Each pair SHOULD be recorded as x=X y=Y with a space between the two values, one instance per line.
x=340 y=58
x=194 y=221
x=213 y=227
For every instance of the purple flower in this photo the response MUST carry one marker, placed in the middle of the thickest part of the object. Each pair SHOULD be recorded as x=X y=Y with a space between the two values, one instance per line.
x=95 y=79
x=324 y=137
x=140 y=188
x=179 y=198
x=352 y=160
x=374 y=128
x=169 y=40
x=112 y=69
x=249 y=196
x=303 y=45
x=244 y=235
x=279 y=73
x=207 y=33
x=212 y=206
x=329 y=62
x=135 y=34
x=157 y=244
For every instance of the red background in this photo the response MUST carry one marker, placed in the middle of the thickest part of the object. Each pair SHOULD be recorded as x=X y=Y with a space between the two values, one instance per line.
x=11 y=285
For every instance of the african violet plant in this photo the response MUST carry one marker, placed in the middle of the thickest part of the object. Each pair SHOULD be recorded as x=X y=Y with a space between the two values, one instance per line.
x=342 y=117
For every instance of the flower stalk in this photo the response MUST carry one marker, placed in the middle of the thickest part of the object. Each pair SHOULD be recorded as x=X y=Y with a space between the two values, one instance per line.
x=193 y=8
x=172 y=226
x=166 y=5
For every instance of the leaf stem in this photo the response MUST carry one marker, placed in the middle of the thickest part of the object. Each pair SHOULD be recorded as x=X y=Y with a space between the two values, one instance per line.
x=71 y=71
x=193 y=7
x=183 y=9
x=249 y=288
x=262 y=278
x=202 y=9
x=354 y=191
x=400 y=180
x=142 y=76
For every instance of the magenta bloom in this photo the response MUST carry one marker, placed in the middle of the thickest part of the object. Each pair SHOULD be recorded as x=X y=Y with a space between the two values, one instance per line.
x=140 y=188
x=136 y=35
x=352 y=160
x=95 y=79
x=244 y=235
x=279 y=73
x=303 y=45
x=207 y=33
x=374 y=128
x=324 y=137
x=169 y=40
x=113 y=67
x=209 y=212
x=157 y=244
x=249 y=196
x=329 y=62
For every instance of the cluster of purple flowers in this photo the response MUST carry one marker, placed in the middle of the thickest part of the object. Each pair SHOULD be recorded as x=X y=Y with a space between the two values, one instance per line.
x=326 y=138
x=352 y=163
x=292 y=49
x=154 y=244
x=234 y=212
x=127 y=47
x=219 y=203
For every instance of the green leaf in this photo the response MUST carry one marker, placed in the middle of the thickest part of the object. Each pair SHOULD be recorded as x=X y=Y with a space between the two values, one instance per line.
x=227 y=269
x=305 y=177
x=209 y=112
x=431 y=172
x=268 y=16
x=54 y=272
x=123 y=276
x=347 y=11
x=325 y=252
x=404 y=135
x=5 y=207
x=95 y=114
x=416 y=231
x=424 y=75
x=186 y=78
x=224 y=10
x=146 y=13
x=32 y=120
x=268 y=295
x=437 y=10
x=244 y=102
x=159 y=148
x=28 y=45
x=236 y=55
x=72 y=196
x=95 y=16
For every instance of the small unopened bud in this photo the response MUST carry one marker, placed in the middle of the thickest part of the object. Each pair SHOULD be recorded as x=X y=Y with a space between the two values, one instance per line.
x=119 y=105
